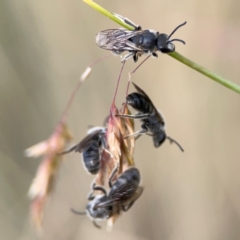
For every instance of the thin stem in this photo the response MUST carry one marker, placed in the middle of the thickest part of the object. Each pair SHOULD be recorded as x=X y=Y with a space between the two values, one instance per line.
x=118 y=81
x=83 y=77
x=99 y=60
x=131 y=73
x=67 y=108
x=204 y=71
x=129 y=79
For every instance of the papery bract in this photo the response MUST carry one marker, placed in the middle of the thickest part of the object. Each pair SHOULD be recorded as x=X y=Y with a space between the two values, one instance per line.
x=42 y=184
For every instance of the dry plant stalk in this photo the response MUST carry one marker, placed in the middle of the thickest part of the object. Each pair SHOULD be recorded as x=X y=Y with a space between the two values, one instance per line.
x=42 y=184
x=119 y=153
x=121 y=149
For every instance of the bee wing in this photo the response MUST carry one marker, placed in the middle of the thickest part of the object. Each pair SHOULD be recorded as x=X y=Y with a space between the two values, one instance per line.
x=138 y=193
x=144 y=94
x=83 y=143
x=121 y=195
x=117 y=40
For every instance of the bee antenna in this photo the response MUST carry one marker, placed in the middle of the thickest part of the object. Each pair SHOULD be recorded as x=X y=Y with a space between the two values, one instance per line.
x=174 y=141
x=176 y=29
x=77 y=212
x=178 y=40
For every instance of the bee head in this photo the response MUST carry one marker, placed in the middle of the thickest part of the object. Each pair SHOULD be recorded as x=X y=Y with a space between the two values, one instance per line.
x=159 y=138
x=164 y=44
x=99 y=212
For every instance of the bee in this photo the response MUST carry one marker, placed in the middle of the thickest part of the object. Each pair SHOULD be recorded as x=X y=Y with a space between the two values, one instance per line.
x=136 y=42
x=153 y=122
x=124 y=191
x=91 y=148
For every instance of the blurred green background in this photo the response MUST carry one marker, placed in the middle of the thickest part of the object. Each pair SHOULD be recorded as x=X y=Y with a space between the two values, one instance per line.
x=44 y=48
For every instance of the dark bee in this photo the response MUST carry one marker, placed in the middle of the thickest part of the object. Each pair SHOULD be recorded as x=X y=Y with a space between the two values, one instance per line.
x=124 y=191
x=91 y=147
x=136 y=42
x=153 y=122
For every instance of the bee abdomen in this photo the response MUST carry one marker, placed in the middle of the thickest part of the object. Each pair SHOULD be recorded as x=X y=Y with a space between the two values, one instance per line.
x=139 y=102
x=130 y=175
x=91 y=158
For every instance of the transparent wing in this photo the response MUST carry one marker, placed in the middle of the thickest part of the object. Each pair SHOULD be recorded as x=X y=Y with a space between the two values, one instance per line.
x=84 y=142
x=122 y=194
x=127 y=205
x=117 y=40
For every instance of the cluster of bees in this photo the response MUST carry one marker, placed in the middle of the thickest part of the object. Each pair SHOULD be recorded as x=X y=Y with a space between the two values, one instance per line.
x=103 y=154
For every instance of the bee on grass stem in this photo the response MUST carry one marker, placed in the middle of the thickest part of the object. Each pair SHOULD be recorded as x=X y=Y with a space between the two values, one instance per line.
x=136 y=42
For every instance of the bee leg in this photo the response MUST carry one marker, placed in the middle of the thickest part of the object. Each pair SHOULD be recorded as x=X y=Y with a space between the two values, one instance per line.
x=90 y=196
x=126 y=208
x=127 y=56
x=127 y=21
x=154 y=55
x=140 y=132
x=150 y=134
x=96 y=188
x=100 y=188
x=137 y=137
x=137 y=116
x=69 y=150
x=135 y=57
x=116 y=52
x=96 y=225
